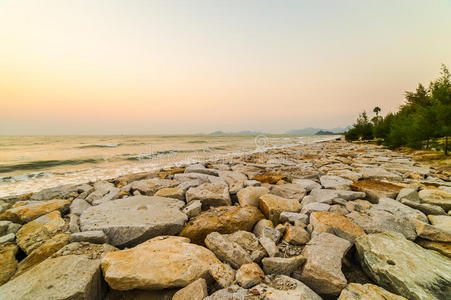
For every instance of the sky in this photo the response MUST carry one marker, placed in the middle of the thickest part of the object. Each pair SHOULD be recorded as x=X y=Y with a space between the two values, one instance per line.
x=181 y=67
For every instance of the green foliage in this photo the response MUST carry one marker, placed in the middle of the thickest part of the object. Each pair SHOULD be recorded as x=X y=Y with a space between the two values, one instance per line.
x=424 y=117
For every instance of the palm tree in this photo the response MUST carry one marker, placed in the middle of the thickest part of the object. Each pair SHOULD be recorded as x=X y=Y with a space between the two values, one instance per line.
x=376 y=110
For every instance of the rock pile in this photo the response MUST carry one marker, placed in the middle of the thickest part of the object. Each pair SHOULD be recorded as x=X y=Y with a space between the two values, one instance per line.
x=330 y=220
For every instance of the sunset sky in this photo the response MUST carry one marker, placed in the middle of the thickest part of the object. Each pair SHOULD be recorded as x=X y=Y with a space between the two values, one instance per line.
x=168 y=67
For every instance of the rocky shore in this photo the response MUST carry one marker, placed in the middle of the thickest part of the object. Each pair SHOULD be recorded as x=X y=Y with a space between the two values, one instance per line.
x=331 y=220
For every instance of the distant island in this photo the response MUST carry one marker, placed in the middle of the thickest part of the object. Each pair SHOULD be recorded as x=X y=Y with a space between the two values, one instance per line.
x=304 y=131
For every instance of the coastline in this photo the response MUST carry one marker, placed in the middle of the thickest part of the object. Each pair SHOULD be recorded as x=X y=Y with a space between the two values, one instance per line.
x=267 y=221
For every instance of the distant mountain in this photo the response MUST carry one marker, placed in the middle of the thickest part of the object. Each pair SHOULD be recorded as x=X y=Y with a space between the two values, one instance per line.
x=312 y=130
x=323 y=132
x=244 y=132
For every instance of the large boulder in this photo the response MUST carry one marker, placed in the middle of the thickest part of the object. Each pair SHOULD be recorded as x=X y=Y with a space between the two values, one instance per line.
x=159 y=263
x=66 y=277
x=322 y=270
x=436 y=197
x=224 y=219
x=335 y=223
x=26 y=211
x=367 y=291
x=400 y=209
x=133 y=220
x=403 y=267
x=210 y=194
x=226 y=250
x=272 y=206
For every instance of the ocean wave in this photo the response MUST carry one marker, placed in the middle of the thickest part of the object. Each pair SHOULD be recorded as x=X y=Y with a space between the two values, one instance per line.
x=43 y=164
x=99 y=146
x=25 y=177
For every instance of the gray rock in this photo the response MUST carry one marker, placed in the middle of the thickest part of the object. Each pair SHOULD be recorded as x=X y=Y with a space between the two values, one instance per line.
x=148 y=186
x=235 y=180
x=316 y=206
x=307 y=184
x=404 y=267
x=428 y=209
x=7 y=238
x=260 y=227
x=436 y=197
x=377 y=221
x=322 y=270
x=399 y=209
x=78 y=206
x=198 y=168
x=133 y=220
x=233 y=292
x=250 y=195
x=226 y=250
x=269 y=245
x=408 y=194
x=101 y=188
x=74 y=221
x=210 y=194
x=281 y=265
x=380 y=173
x=95 y=237
x=292 y=217
x=367 y=291
x=290 y=191
x=61 y=192
x=334 y=182
x=66 y=277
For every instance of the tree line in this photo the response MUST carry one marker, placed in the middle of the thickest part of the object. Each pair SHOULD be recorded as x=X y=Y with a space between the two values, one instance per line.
x=422 y=122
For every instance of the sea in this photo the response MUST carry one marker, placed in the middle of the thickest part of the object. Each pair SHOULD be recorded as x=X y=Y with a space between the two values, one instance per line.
x=32 y=163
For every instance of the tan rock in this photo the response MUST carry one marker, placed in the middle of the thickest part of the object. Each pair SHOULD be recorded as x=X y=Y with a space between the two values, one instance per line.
x=270 y=178
x=430 y=232
x=91 y=251
x=223 y=274
x=8 y=262
x=296 y=235
x=335 y=223
x=26 y=211
x=436 y=197
x=176 y=193
x=161 y=262
x=249 y=275
x=35 y=233
x=261 y=225
x=210 y=194
x=376 y=189
x=442 y=222
x=44 y=251
x=443 y=248
x=354 y=291
x=227 y=250
x=249 y=195
x=272 y=206
x=224 y=219
x=290 y=191
x=196 y=290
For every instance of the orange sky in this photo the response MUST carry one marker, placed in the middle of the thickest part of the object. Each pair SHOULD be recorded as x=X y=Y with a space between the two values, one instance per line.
x=150 y=67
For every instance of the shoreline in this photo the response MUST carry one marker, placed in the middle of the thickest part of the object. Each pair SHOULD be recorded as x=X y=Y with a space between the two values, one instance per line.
x=303 y=221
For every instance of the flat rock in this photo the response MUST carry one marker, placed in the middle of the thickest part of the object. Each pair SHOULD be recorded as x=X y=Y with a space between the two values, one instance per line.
x=230 y=293
x=8 y=262
x=428 y=209
x=198 y=168
x=193 y=208
x=78 y=206
x=430 y=232
x=336 y=224
x=61 y=192
x=134 y=219
x=443 y=248
x=290 y=191
x=226 y=250
x=159 y=263
x=315 y=206
x=91 y=251
x=322 y=270
x=398 y=265
x=176 y=193
x=380 y=173
x=249 y=196
x=442 y=222
x=436 y=197
x=82 y=280
x=334 y=182
x=272 y=206
x=282 y=265
x=408 y=194
x=95 y=237
x=149 y=186
x=376 y=189
x=224 y=219
x=377 y=221
x=35 y=233
x=399 y=209
x=307 y=184
x=26 y=211
x=367 y=291
x=292 y=217
x=210 y=194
